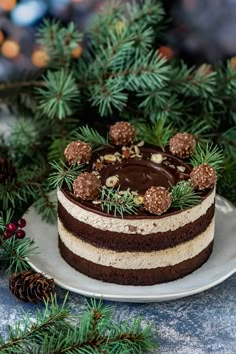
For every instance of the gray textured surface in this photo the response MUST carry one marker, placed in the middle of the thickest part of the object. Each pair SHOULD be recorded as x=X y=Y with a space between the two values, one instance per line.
x=203 y=323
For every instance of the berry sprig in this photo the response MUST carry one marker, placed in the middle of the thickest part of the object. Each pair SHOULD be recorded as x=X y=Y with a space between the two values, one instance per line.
x=15 y=229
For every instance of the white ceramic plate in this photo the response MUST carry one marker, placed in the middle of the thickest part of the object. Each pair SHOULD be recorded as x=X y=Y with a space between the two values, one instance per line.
x=221 y=264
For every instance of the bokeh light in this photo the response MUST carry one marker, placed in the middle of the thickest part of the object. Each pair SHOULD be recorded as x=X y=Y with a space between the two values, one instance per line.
x=10 y=49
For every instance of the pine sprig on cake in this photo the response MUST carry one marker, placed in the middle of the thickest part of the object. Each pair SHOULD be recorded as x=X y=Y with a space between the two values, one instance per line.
x=64 y=174
x=210 y=155
x=117 y=202
x=92 y=137
x=159 y=134
x=183 y=195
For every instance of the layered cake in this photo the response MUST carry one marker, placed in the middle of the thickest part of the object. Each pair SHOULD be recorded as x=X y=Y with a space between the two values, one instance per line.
x=137 y=214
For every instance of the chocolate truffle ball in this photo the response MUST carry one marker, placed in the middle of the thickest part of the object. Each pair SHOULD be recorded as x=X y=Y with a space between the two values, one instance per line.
x=122 y=133
x=87 y=186
x=203 y=177
x=157 y=200
x=77 y=152
x=182 y=145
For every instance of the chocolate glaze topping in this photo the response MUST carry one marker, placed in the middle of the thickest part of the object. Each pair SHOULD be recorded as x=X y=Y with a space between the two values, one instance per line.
x=138 y=173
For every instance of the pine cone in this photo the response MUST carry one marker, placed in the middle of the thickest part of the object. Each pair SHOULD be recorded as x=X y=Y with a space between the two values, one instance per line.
x=32 y=287
x=7 y=170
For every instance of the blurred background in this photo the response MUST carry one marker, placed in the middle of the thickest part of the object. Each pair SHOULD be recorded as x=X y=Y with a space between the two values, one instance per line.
x=201 y=30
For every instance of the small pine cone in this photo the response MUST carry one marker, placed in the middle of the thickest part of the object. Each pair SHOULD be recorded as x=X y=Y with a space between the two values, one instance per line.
x=77 y=152
x=122 y=133
x=87 y=186
x=203 y=177
x=7 y=170
x=157 y=200
x=32 y=287
x=182 y=145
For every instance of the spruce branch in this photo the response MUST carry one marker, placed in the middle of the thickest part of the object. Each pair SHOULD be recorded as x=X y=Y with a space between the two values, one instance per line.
x=92 y=137
x=14 y=251
x=56 y=330
x=159 y=134
x=46 y=206
x=118 y=202
x=183 y=195
x=60 y=96
x=63 y=174
x=59 y=42
x=27 y=335
x=210 y=154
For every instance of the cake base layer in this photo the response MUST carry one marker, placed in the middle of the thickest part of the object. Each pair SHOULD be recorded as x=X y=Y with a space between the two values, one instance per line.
x=132 y=276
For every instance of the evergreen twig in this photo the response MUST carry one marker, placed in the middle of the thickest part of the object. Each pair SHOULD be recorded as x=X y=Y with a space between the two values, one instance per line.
x=64 y=174
x=117 y=202
x=159 y=134
x=183 y=195
x=92 y=137
x=54 y=332
x=210 y=154
x=14 y=251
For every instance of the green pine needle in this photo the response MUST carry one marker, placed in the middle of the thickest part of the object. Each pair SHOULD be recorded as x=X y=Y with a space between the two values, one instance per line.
x=159 y=134
x=63 y=174
x=57 y=330
x=60 y=96
x=92 y=137
x=184 y=196
x=113 y=202
x=59 y=42
x=210 y=154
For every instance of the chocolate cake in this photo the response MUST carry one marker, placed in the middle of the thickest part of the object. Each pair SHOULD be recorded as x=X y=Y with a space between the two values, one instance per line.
x=152 y=238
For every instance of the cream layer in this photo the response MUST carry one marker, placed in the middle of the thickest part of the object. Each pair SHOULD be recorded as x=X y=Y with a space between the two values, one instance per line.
x=137 y=260
x=137 y=226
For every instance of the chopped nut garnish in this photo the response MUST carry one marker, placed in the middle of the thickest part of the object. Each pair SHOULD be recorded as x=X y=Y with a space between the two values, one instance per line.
x=112 y=181
x=181 y=168
x=126 y=154
x=96 y=202
x=138 y=200
x=99 y=166
x=136 y=149
x=109 y=158
x=140 y=144
x=157 y=158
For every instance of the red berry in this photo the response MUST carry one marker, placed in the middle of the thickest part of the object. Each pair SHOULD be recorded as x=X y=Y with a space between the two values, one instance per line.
x=12 y=227
x=21 y=222
x=20 y=234
x=7 y=234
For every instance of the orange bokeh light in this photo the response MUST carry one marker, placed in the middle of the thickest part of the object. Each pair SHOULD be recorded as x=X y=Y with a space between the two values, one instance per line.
x=77 y=51
x=10 y=49
x=166 y=52
x=40 y=58
x=7 y=5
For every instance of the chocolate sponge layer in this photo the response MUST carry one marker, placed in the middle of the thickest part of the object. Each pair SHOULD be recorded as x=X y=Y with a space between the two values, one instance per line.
x=133 y=276
x=119 y=242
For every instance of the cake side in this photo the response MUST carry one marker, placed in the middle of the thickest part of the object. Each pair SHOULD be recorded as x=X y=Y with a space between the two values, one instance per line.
x=133 y=267
x=123 y=234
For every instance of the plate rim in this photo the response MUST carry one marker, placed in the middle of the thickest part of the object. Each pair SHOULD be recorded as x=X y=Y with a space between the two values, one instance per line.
x=134 y=298
x=138 y=297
